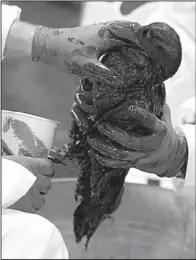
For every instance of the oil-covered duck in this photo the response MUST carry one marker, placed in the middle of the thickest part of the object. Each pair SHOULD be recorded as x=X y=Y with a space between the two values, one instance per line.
x=152 y=54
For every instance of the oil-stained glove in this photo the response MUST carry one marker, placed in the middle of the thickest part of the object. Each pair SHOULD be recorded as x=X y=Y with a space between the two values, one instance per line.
x=82 y=108
x=78 y=50
x=163 y=152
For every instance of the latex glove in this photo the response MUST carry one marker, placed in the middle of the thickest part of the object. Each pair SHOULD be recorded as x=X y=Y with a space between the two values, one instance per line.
x=82 y=107
x=163 y=152
x=43 y=169
x=77 y=50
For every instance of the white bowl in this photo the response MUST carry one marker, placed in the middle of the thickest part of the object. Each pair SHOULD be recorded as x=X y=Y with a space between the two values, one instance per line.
x=28 y=135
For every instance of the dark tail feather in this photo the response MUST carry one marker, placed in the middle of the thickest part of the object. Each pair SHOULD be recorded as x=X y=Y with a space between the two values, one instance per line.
x=107 y=198
x=87 y=218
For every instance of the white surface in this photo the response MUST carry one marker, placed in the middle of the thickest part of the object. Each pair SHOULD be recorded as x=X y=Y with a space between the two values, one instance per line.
x=136 y=176
x=187 y=111
x=30 y=236
x=95 y=12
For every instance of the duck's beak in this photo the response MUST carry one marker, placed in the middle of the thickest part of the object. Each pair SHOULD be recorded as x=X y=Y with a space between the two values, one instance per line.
x=127 y=34
x=159 y=26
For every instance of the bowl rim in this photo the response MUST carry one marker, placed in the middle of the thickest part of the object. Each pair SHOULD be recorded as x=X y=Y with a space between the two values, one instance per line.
x=30 y=116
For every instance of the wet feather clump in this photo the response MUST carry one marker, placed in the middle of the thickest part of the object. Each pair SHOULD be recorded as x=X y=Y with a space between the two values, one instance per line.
x=154 y=55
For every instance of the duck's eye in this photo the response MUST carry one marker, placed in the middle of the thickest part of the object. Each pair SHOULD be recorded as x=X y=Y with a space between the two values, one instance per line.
x=133 y=25
x=148 y=34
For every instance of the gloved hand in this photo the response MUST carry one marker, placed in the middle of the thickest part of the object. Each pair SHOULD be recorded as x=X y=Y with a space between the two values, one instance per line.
x=82 y=107
x=43 y=169
x=163 y=152
x=77 y=50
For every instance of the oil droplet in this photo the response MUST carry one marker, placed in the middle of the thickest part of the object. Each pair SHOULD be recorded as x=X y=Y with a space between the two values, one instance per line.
x=102 y=32
x=75 y=41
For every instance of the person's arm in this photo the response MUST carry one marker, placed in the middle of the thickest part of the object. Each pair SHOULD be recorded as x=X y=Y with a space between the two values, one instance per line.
x=189 y=131
x=20 y=44
x=189 y=181
x=9 y=15
x=74 y=50
x=186 y=121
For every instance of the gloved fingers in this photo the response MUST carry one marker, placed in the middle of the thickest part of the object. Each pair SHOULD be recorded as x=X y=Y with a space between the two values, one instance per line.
x=24 y=204
x=37 y=198
x=30 y=202
x=152 y=164
x=109 y=162
x=90 y=67
x=35 y=165
x=73 y=131
x=108 y=45
x=85 y=86
x=166 y=115
x=115 y=133
x=146 y=119
x=83 y=103
x=43 y=166
x=57 y=154
x=97 y=36
x=108 y=149
x=101 y=73
x=153 y=168
x=126 y=35
x=122 y=29
x=117 y=34
x=131 y=141
x=43 y=184
x=79 y=117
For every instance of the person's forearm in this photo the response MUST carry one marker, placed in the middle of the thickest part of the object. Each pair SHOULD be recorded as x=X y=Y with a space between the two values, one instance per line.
x=37 y=42
x=183 y=156
x=189 y=131
x=19 y=40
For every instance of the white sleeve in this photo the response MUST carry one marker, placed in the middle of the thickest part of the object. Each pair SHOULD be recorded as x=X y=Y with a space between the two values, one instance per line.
x=16 y=181
x=9 y=14
x=187 y=186
x=189 y=131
